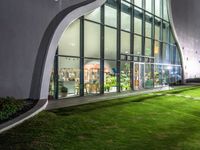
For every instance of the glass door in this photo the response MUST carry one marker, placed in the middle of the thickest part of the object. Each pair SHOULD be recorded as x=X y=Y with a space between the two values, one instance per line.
x=139 y=69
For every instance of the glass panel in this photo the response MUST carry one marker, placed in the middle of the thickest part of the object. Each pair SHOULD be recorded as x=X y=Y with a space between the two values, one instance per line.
x=148 y=76
x=139 y=76
x=148 y=29
x=172 y=40
x=166 y=75
x=165 y=13
x=110 y=16
x=125 y=21
x=110 y=72
x=172 y=54
x=125 y=76
x=175 y=75
x=138 y=3
x=157 y=51
x=51 y=85
x=110 y=43
x=157 y=8
x=137 y=45
x=138 y=26
x=69 y=43
x=157 y=32
x=149 y=5
x=125 y=42
x=148 y=47
x=165 y=53
x=166 y=32
x=158 y=75
x=94 y=15
x=69 y=76
x=91 y=76
x=92 y=40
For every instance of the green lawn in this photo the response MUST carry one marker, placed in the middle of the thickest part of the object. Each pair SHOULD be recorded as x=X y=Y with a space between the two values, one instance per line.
x=138 y=122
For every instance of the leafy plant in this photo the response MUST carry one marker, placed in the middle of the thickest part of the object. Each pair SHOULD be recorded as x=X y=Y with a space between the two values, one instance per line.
x=9 y=106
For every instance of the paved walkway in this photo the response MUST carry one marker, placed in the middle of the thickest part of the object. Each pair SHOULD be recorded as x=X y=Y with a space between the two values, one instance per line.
x=53 y=104
x=177 y=95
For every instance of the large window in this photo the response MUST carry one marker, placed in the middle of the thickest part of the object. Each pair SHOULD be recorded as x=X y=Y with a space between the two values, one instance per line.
x=95 y=51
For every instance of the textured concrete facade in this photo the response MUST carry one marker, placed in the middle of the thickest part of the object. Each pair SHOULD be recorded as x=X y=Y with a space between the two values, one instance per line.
x=24 y=41
x=185 y=15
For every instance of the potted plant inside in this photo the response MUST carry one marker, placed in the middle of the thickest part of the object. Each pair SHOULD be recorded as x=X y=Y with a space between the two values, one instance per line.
x=64 y=91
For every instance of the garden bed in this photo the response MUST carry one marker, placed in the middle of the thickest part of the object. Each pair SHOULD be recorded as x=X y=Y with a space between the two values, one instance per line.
x=11 y=108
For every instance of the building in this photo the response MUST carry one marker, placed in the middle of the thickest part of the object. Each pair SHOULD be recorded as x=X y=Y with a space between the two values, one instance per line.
x=60 y=48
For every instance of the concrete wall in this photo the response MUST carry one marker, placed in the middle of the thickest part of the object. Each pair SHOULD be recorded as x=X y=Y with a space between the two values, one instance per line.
x=186 y=20
x=23 y=24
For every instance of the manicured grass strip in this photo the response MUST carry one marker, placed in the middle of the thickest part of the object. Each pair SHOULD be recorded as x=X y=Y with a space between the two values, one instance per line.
x=140 y=122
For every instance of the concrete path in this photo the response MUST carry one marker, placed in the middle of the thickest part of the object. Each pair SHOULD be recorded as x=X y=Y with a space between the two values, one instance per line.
x=54 y=104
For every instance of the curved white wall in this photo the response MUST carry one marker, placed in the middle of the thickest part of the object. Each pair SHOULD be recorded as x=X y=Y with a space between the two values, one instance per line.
x=186 y=20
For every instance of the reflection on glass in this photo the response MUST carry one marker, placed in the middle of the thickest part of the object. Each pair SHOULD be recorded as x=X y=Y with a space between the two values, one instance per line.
x=69 y=76
x=92 y=40
x=91 y=76
x=110 y=81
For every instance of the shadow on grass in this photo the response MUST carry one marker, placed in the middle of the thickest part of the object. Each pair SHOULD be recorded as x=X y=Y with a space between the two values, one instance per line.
x=103 y=104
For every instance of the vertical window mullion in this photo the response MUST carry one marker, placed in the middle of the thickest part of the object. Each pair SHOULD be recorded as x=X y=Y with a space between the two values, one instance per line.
x=132 y=49
x=102 y=51
x=118 y=43
x=81 y=56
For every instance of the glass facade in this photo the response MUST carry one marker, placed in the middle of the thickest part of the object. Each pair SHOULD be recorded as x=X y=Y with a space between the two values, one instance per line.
x=124 y=45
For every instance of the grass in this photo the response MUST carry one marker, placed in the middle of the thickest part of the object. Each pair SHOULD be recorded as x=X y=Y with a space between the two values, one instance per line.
x=140 y=122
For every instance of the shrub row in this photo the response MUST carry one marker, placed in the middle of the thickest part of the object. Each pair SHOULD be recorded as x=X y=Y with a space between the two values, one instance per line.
x=10 y=106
